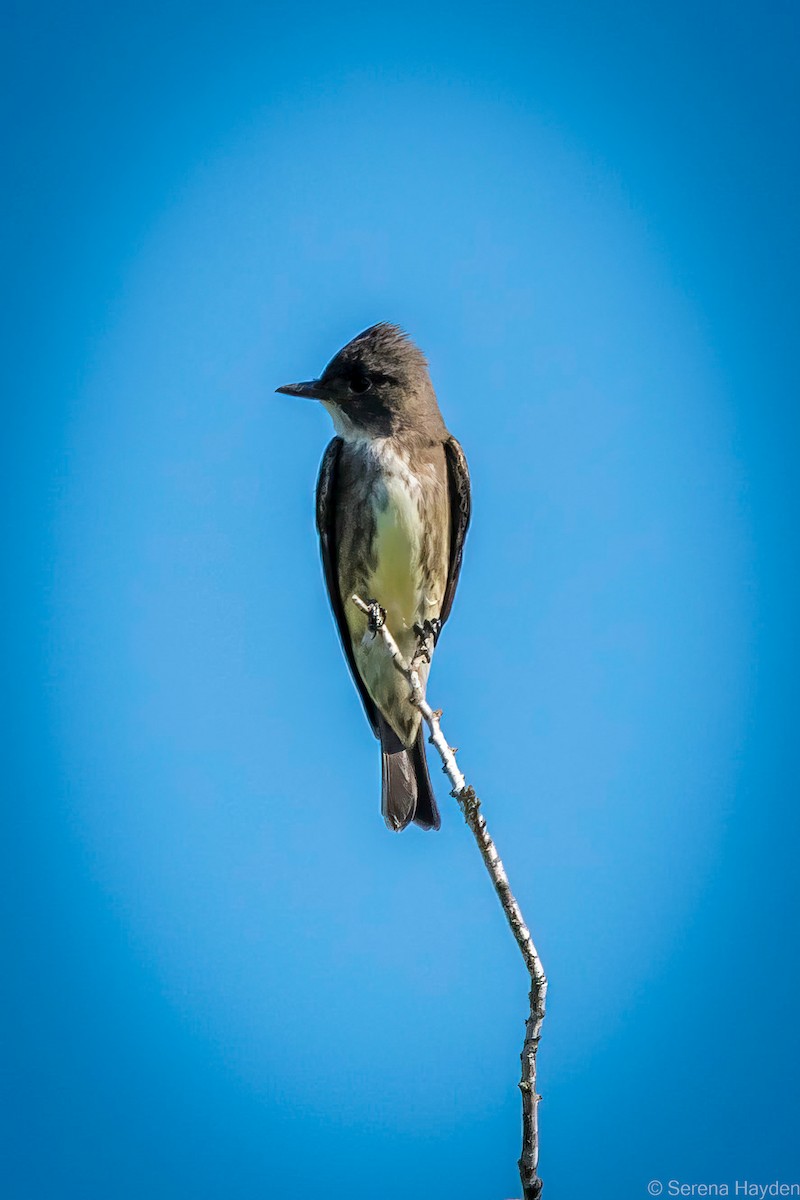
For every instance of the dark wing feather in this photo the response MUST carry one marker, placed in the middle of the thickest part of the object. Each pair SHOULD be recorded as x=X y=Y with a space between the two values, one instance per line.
x=460 y=509
x=327 y=497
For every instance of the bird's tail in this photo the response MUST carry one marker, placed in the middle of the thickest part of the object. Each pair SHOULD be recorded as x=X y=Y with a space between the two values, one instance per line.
x=406 y=792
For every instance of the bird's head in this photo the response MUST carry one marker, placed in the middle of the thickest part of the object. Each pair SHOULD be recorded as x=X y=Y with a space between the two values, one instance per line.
x=376 y=386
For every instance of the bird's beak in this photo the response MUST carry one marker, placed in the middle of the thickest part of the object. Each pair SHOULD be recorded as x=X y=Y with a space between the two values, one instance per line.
x=312 y=389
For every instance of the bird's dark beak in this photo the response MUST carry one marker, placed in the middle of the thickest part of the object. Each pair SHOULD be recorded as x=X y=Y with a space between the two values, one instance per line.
x=312 y=389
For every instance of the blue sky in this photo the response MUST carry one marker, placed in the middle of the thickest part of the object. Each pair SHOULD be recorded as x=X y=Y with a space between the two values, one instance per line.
x=226 y=977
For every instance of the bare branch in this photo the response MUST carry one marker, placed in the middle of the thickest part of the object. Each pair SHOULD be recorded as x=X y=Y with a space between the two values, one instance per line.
x=471 y=808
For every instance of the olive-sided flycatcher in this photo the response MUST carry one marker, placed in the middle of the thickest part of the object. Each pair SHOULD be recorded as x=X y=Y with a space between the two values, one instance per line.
x=393 y=506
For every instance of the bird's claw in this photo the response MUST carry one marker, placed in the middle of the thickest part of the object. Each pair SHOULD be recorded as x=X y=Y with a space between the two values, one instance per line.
x=427 y=636
x=376 y=616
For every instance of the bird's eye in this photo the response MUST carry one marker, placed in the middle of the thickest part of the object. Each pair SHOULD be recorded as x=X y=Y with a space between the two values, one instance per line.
x=360 y=384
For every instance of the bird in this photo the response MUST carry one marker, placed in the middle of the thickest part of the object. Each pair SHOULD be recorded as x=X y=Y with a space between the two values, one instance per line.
x=393 y=505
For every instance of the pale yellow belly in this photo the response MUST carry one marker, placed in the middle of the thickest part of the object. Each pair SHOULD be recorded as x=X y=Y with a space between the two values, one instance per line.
x=398 y=584
x=396 y=580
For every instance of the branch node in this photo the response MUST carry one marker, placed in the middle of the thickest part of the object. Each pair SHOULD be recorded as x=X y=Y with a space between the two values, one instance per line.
x=470 y=805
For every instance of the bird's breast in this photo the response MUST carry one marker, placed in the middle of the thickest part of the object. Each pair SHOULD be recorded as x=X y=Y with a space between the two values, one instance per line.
x=396 y=580
x=391 y=546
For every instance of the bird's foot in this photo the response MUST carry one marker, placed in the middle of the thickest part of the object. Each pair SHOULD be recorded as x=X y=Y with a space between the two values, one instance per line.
x=427 y=637
x=376 y=616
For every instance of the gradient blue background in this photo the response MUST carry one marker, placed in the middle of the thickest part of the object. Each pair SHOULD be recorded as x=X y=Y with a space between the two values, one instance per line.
x=225 y=978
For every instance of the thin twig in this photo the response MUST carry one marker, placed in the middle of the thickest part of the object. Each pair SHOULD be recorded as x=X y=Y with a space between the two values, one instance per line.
x=470 y=806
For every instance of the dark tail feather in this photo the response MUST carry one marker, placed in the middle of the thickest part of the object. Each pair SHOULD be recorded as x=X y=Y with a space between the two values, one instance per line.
x=406 y=792
x=427 y=814
x=399 y=783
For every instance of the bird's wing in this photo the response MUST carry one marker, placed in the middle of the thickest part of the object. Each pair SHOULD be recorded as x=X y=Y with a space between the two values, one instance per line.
x=327 y=499
x=460 y=509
